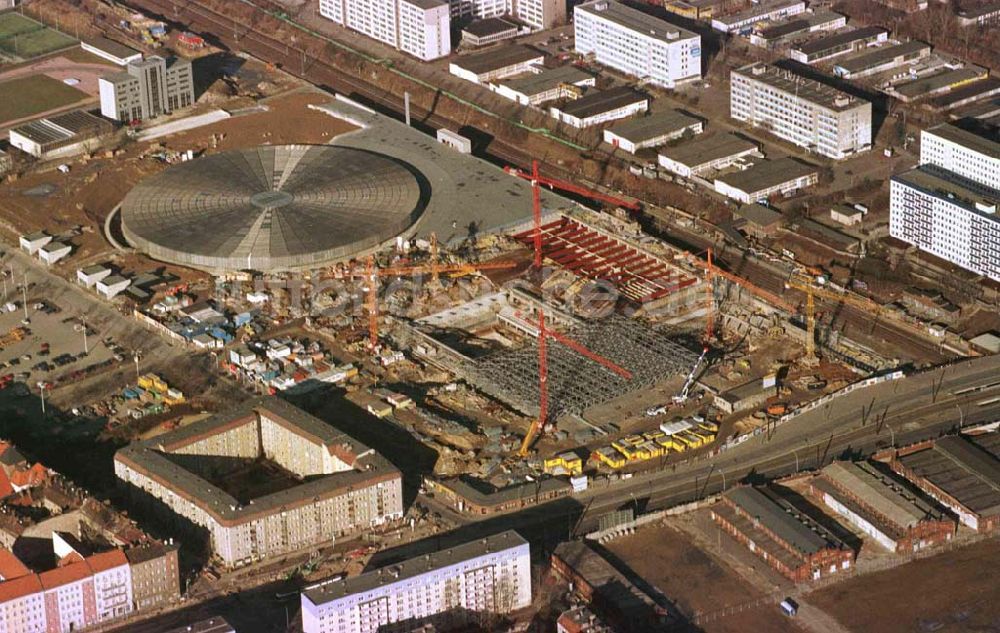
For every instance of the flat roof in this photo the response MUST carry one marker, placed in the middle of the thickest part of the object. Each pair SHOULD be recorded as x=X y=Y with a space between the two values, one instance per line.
x=839 y=39
x=515 y=492
x=963 y=470
x=784 y=520
x=599 y=101
x=612 y=585
x=882 y=493
x=759 y=214
x=112 y=47
x=932 y=181
x=151 y=457
x=763 y=8
x=917 y=87
x=497 y=58
x=801 y=87
x=979 y=11
x=766 y=174
x=654 y=125
x=61 y=127
x=799 y=22
x=636 y=20
x=706 y=149
x=981 y=144
x=548 y=79
x=413 y=567
x=881 y=55
x=489 y=26
x=427 y=4
x=979 y=89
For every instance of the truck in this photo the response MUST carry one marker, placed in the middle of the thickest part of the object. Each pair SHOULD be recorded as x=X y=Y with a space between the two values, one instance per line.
x=789 y=607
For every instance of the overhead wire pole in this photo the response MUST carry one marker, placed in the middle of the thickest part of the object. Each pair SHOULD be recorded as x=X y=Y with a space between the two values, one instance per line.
x=536 y=200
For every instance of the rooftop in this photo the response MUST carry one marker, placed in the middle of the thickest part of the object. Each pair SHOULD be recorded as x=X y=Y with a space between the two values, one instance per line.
x=705 y=149
x=766 y=174
x=839 y=39
x=500 y=496
x=759 y=214
x=497 y=58
x=612 y=585
x=918 y=87
x=597 y=102
x=881 y=55
x=971 y=92
x=636 y=20
x=975 y=142
x=963 y=470
x=933 y=181
x=781 y=518
x=489 y=26
x=800 y=87
x=763 y=8
x=548 y=79
x=61 y=127
x=112 y=47
x=798 y=23
x=322 y=593
x=654 y=125
x=882 y=494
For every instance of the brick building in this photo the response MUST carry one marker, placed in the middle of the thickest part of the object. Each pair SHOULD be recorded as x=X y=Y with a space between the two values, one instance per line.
x=789 y=541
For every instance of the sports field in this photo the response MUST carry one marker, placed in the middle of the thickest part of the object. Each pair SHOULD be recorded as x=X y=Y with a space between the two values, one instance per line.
x=24 y=38
x=35 y=94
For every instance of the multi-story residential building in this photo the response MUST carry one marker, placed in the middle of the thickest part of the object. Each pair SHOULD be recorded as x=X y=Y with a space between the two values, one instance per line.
x=962 y=153
x=444 y=589
x=805 y=112
x=538 y=14
x=154 y=575
x=184 y=475
x=637 y=43
x=421 y=28
x=948 y=205
x=147 y=89
x=942 y=214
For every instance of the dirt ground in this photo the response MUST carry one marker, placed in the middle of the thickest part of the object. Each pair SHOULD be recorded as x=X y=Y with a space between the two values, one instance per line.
x=697 y=582
x=60 y=203
x=952 y=592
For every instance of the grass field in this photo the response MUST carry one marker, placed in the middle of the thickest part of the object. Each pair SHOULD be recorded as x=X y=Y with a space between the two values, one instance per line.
x=35 y=94
x=24 y=38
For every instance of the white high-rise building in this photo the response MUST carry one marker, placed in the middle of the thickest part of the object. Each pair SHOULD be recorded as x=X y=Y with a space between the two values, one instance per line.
x=802 y=111
x=538 y=14
x=948 y=205
x=637 y=43
x=446 y=589
x=421 y=28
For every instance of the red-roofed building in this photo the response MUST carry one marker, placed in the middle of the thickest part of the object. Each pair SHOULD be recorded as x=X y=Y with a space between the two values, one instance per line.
x=11 y=566
x=22 y=604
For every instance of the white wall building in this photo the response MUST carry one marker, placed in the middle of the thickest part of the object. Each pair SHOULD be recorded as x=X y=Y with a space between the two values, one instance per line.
x=801 y=111
x=939 y=213
x=962 y=153
x=147 y=89
x=445 y=588
x=421 y=28
x=538 y=14
x=637 y=43
x=744 y=21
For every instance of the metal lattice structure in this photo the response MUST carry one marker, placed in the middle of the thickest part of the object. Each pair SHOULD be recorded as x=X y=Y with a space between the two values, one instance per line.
x=577 y=383
x=273 y=208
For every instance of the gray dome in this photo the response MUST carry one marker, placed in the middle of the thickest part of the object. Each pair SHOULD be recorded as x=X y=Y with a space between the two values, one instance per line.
x=272 y=208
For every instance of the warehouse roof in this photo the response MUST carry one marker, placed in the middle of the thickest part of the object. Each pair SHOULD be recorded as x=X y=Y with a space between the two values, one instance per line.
x=759 y=214
x=766 y=174
x=801 y=87
x=975 y=142
x=489 y=26
x=325 y=592
x=653 y=126
x=500 y=496
x=636 y=20
x=61 y=127
x=882 y=55
x=548 y=79
x=610 y=584
x=112 y=47
x=782 y=519
x=881 y=493
x=799 y=23
x=961 y=469
x=763 y=8
x=969 y=92
x=925 y=85
x=497 y=58
x=708 y=149
x=839 y=39
x=600 y=101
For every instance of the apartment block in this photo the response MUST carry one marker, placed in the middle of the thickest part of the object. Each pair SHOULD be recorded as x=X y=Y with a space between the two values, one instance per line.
x=261 y=480
x=636 y=43
x=444 y=589
x=802 y=111
x=537 y=14
x=962 y=153
x=147 y=89
x=421 y=28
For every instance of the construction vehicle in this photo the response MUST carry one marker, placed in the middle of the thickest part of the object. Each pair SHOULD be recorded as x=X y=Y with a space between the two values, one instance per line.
x=13 y=335
x=682 y=397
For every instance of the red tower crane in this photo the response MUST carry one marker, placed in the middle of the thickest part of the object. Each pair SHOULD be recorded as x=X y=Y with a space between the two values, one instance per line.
x=543 y=375
x=562 y=185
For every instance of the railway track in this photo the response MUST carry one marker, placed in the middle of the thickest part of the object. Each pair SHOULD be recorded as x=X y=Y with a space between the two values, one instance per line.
x=292 y=59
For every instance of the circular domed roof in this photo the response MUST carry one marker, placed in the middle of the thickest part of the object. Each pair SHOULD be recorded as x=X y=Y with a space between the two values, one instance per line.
x=272 y=208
